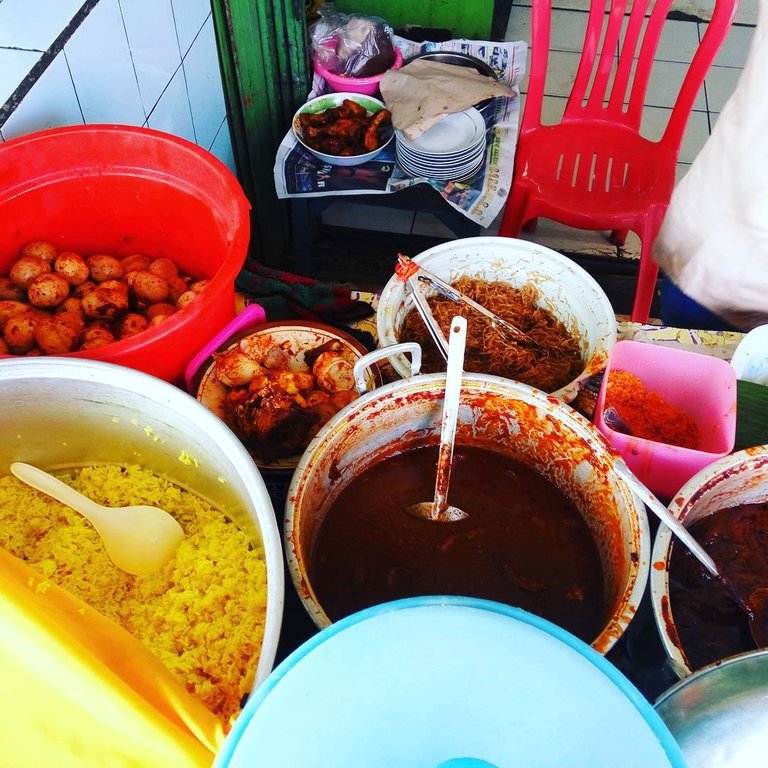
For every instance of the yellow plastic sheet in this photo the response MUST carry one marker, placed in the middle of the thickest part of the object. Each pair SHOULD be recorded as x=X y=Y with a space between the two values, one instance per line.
x=76 y=690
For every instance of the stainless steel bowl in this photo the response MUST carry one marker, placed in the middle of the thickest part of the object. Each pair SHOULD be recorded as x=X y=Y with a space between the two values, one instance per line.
x=61 y=412
x=719 y=715
x=460 y=60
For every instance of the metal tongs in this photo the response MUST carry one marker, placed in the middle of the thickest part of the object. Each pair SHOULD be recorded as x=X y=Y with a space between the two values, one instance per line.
x=415 y=277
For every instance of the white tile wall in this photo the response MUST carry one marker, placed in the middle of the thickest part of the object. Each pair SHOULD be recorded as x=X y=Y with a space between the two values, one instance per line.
x=34 y=23
x=102 y=69
x=190 y=15
x=206 y=96
x=154 y=48
x=50 y=103
x=172 y=113
x=138 y=62
x=14 y=66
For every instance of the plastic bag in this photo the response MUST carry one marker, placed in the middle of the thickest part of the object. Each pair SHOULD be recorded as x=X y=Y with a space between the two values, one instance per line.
x=352 y=45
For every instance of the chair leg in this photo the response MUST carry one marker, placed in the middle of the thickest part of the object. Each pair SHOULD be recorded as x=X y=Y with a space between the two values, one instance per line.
x=514 y=213
x=619 y=236
x=647 y=274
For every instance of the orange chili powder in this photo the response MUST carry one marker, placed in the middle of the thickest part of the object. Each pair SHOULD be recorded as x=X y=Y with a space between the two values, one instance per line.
x=646 y=414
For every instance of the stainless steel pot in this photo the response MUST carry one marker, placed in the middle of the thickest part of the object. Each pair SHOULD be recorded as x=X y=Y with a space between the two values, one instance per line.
x=64 y=412
x=495 y=413
x=719 y=715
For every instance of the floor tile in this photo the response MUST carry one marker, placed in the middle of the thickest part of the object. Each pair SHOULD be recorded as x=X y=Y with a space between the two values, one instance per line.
x=746 y=12
x=567 y=30
x=561 y=71
x=681 y=170
x=102 y=70
x=679 y=41
x=552 y=109
x=14 y=67
x=206 y=93
x=562 y=238
x=665 y=82
x=151 y=32
x=50 y=102
x=34 y=24
x=696 y=133
x=720 y=83
x=733 y=51
x=357 y=216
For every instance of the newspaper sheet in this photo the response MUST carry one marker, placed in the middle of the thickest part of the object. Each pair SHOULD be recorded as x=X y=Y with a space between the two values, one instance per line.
x=299 y=174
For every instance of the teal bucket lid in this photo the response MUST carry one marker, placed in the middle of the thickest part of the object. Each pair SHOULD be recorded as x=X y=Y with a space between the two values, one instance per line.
x=447 y=682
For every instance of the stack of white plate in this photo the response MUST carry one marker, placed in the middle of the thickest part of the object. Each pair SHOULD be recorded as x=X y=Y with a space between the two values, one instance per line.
x=451 y=150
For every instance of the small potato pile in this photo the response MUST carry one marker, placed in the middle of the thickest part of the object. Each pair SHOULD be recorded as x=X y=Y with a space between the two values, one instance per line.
x=56 y=302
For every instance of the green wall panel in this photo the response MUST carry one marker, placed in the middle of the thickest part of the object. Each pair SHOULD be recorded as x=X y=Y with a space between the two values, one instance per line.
x=466 y=18
x=263 y=53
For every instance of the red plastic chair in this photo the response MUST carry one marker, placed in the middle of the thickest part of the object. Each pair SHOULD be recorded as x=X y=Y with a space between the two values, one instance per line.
x=594 y=170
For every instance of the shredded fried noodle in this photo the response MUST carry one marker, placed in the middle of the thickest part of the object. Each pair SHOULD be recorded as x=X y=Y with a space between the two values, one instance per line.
x=552 y=363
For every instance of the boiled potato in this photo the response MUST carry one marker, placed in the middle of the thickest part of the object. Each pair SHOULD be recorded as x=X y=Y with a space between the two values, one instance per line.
x=19 y=332
x=96 y=336
x=26 y=269
x=40 y=249
x=105 y=302
x=131 y=324
x=103 y=267
x=136 y=262
x=72 y=267
x=47 y=290
x=10 y=308
x=149 y=288
x=186 y=298
x=55 y=336
x=164 y=268
x=10 y=291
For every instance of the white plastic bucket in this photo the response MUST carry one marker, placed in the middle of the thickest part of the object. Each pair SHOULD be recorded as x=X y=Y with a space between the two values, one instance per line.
x=437 y=682
x=566 y=290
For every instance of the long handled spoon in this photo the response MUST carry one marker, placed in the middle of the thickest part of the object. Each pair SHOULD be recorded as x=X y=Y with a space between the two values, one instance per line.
x=438 y=509
x=138 y=539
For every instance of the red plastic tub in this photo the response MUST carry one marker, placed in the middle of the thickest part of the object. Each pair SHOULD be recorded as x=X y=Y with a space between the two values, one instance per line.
x=121 y=190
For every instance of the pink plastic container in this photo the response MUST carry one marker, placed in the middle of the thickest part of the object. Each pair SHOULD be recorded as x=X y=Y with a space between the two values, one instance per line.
x=704 y=387
x=367 y=85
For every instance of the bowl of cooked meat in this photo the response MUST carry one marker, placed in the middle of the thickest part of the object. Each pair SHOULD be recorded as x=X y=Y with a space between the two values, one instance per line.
x=343 y=128
x=276 y=387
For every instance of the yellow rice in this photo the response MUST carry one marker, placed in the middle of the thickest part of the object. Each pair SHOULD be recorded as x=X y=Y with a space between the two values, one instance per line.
x=202 y=614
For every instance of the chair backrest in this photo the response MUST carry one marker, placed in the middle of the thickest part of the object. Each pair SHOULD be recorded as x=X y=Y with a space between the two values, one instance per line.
x=616 y=62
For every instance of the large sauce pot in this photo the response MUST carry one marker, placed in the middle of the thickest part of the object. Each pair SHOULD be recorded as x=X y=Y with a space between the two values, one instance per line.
x=496 y=414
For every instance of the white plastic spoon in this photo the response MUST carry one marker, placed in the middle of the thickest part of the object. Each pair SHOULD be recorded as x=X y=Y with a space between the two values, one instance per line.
x=138 y=539
x=439 y=509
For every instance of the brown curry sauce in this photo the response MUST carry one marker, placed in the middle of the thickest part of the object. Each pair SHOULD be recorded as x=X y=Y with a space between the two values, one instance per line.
x=709 y=622
x=524 y=543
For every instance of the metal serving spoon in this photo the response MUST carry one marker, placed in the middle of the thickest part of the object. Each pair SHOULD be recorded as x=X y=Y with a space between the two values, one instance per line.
x=438 y=508
x=138 y=539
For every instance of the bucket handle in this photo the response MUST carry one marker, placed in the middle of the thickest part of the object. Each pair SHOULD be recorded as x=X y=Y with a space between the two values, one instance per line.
x=410 y=347
x=252 y=315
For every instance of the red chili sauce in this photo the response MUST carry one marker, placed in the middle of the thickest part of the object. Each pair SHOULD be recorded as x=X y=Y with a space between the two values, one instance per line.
x=523 y=543
x=710 y=623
